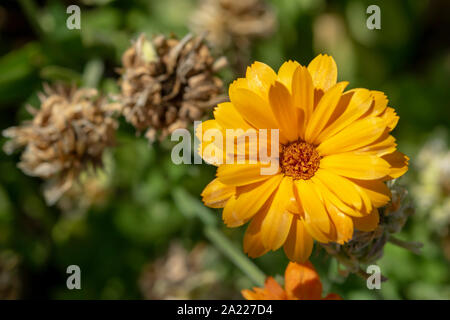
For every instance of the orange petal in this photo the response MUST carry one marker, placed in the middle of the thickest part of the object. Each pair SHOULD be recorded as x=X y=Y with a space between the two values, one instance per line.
x=302 y=282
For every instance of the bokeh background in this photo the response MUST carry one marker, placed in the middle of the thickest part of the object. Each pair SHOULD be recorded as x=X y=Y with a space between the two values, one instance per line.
x=132 y=232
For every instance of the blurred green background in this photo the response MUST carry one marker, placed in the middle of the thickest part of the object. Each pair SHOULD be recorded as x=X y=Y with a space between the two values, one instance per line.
x=129 y=236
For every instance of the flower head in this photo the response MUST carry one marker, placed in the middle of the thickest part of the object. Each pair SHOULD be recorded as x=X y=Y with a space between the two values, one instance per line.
x=233 y=22
x=167 y=83
x=301 y=282
x=335 y=152
x=67 y=135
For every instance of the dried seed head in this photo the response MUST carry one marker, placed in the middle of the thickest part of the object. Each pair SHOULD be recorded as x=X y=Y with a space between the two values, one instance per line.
x=182 y=275
x=367 y=247
x=66 y=135
x=168 y=83
x=233 y=22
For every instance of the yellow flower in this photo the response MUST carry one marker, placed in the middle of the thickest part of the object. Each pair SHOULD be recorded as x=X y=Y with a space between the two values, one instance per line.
x=335 y=154
x=301 y=282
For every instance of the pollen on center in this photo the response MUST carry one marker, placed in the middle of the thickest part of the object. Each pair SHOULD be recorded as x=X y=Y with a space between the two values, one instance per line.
x=299 y=159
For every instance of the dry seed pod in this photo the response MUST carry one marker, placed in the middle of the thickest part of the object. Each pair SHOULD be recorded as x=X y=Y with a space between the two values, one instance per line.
x=367 y=247
x=67 y=135
x=168 y=83
x=233 y=22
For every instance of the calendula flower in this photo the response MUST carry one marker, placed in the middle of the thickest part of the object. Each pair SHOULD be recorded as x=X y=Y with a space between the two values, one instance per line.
x=301 y=282
x=335 y=154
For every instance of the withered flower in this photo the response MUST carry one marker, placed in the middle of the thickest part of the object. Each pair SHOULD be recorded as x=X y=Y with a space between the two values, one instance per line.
x=367 y=247
x=168 y=83
x=67 y=135
x=233 y=22
x=183 y=274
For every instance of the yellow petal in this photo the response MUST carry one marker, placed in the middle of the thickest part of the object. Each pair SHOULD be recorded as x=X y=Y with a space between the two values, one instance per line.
x=398 y=164
x=380 y=102
x=209 y=148
x=277 y=223
x=383 y=145
x=359 y=134
x=228 y=216
x=323 y=112
x=391 y=118
x=216 y=194
x=254 y=109
x=299 y=243
x=358 y=166
x=260 y=77
x=343 y=224
x=313 y=206
x=241 y=174
x=367 y=223
x=286 y=72
x=323 y=71
x=253 y=245
x=340 y=187
x=377 y=191
x=303 y=96
x=353 y=104
x=227 y=116
x=284 y=111
x=250 y=199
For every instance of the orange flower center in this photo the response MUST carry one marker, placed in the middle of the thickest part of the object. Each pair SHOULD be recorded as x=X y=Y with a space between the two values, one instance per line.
x=299 y=160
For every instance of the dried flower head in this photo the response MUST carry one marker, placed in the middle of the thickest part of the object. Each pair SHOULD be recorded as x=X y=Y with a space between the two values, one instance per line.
x=367 y=245
x=302 y=282
x=67 y=135
x=182 y=275
x=233 y=22
x=168 y=83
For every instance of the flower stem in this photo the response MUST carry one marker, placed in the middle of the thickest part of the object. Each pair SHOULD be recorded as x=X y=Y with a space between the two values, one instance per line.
x=31 y=11
x=191 y=207
x=411 y=246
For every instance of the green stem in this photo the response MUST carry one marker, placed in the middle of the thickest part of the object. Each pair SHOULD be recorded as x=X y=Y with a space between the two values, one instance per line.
x=191 y=207
x=31 y=11
x=235 y=255
x=411 y=246
x=93 y=72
